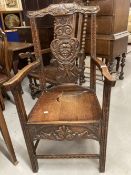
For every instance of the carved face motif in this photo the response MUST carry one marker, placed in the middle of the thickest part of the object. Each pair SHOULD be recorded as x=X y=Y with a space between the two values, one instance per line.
x=65 y=49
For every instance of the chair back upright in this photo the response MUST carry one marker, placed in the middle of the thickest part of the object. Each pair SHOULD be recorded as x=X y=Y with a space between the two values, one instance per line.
x=4 y=62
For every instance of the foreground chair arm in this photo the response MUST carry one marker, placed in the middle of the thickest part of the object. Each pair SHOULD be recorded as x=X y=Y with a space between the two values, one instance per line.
x=31 y=54
x=16 y=80
x=105 y=72
x=109 y=82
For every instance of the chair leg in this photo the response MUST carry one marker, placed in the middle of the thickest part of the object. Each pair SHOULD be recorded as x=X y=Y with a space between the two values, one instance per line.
x=7 y=139
x=31 y=151
x=2 y=102
x=23 y=119
x=103 y=145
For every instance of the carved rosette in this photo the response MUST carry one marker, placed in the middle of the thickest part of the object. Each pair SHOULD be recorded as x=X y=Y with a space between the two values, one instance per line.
x=64 y=26
x=64 y=132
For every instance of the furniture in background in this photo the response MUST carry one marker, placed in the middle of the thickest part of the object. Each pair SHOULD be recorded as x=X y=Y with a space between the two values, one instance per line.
x=33 y=76
x=66 y=111
x=24 y=33
x=9 y=5
x=14 y=48
x=10 y=17
x=9 y=58
x=112 y=35
x=6 y=136
x=5 y=68
x=10 y=20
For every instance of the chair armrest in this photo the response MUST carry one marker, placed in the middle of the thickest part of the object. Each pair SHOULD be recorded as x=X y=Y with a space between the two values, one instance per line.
x=16 y=79
x=47 y=50
x=105 y=72
x=31 y=54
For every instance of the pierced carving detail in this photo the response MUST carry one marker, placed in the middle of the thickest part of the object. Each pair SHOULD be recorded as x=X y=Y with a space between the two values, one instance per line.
x=63 y=132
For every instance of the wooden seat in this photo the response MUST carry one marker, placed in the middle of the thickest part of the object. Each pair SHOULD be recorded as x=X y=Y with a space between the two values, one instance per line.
x=67 y=111
x=61 y=105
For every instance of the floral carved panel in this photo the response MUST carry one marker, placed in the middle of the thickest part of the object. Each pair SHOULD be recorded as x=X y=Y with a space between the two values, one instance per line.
x=64 y=132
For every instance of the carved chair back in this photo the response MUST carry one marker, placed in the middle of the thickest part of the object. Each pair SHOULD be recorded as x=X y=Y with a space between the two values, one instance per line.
x=68 y=45
x=4 y=53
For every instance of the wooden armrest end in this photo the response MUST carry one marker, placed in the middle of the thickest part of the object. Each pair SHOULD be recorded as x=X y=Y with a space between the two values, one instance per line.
x=105 y=72
x=32 y=54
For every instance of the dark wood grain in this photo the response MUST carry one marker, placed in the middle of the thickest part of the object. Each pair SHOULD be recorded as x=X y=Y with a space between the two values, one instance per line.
x=14 y=48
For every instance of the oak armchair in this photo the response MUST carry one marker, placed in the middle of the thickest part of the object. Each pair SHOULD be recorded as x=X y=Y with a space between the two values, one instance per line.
x=67 y=111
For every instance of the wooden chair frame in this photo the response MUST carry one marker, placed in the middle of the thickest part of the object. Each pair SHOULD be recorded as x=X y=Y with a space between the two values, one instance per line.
x=31 y=131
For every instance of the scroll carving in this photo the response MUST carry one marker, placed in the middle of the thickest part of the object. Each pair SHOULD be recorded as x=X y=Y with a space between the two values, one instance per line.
x=63 y=132
x=63 y=9
x=63 y=26
x=65 y=49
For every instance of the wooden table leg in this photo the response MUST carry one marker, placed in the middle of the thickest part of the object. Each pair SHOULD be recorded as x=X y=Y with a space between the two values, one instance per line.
x=15 y=66
x=111 y=65
x=121 y=77
x=7 y=139
x=118 y=63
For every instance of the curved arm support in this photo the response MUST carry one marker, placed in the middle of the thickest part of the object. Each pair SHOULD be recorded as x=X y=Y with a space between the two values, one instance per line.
x=105 y=72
